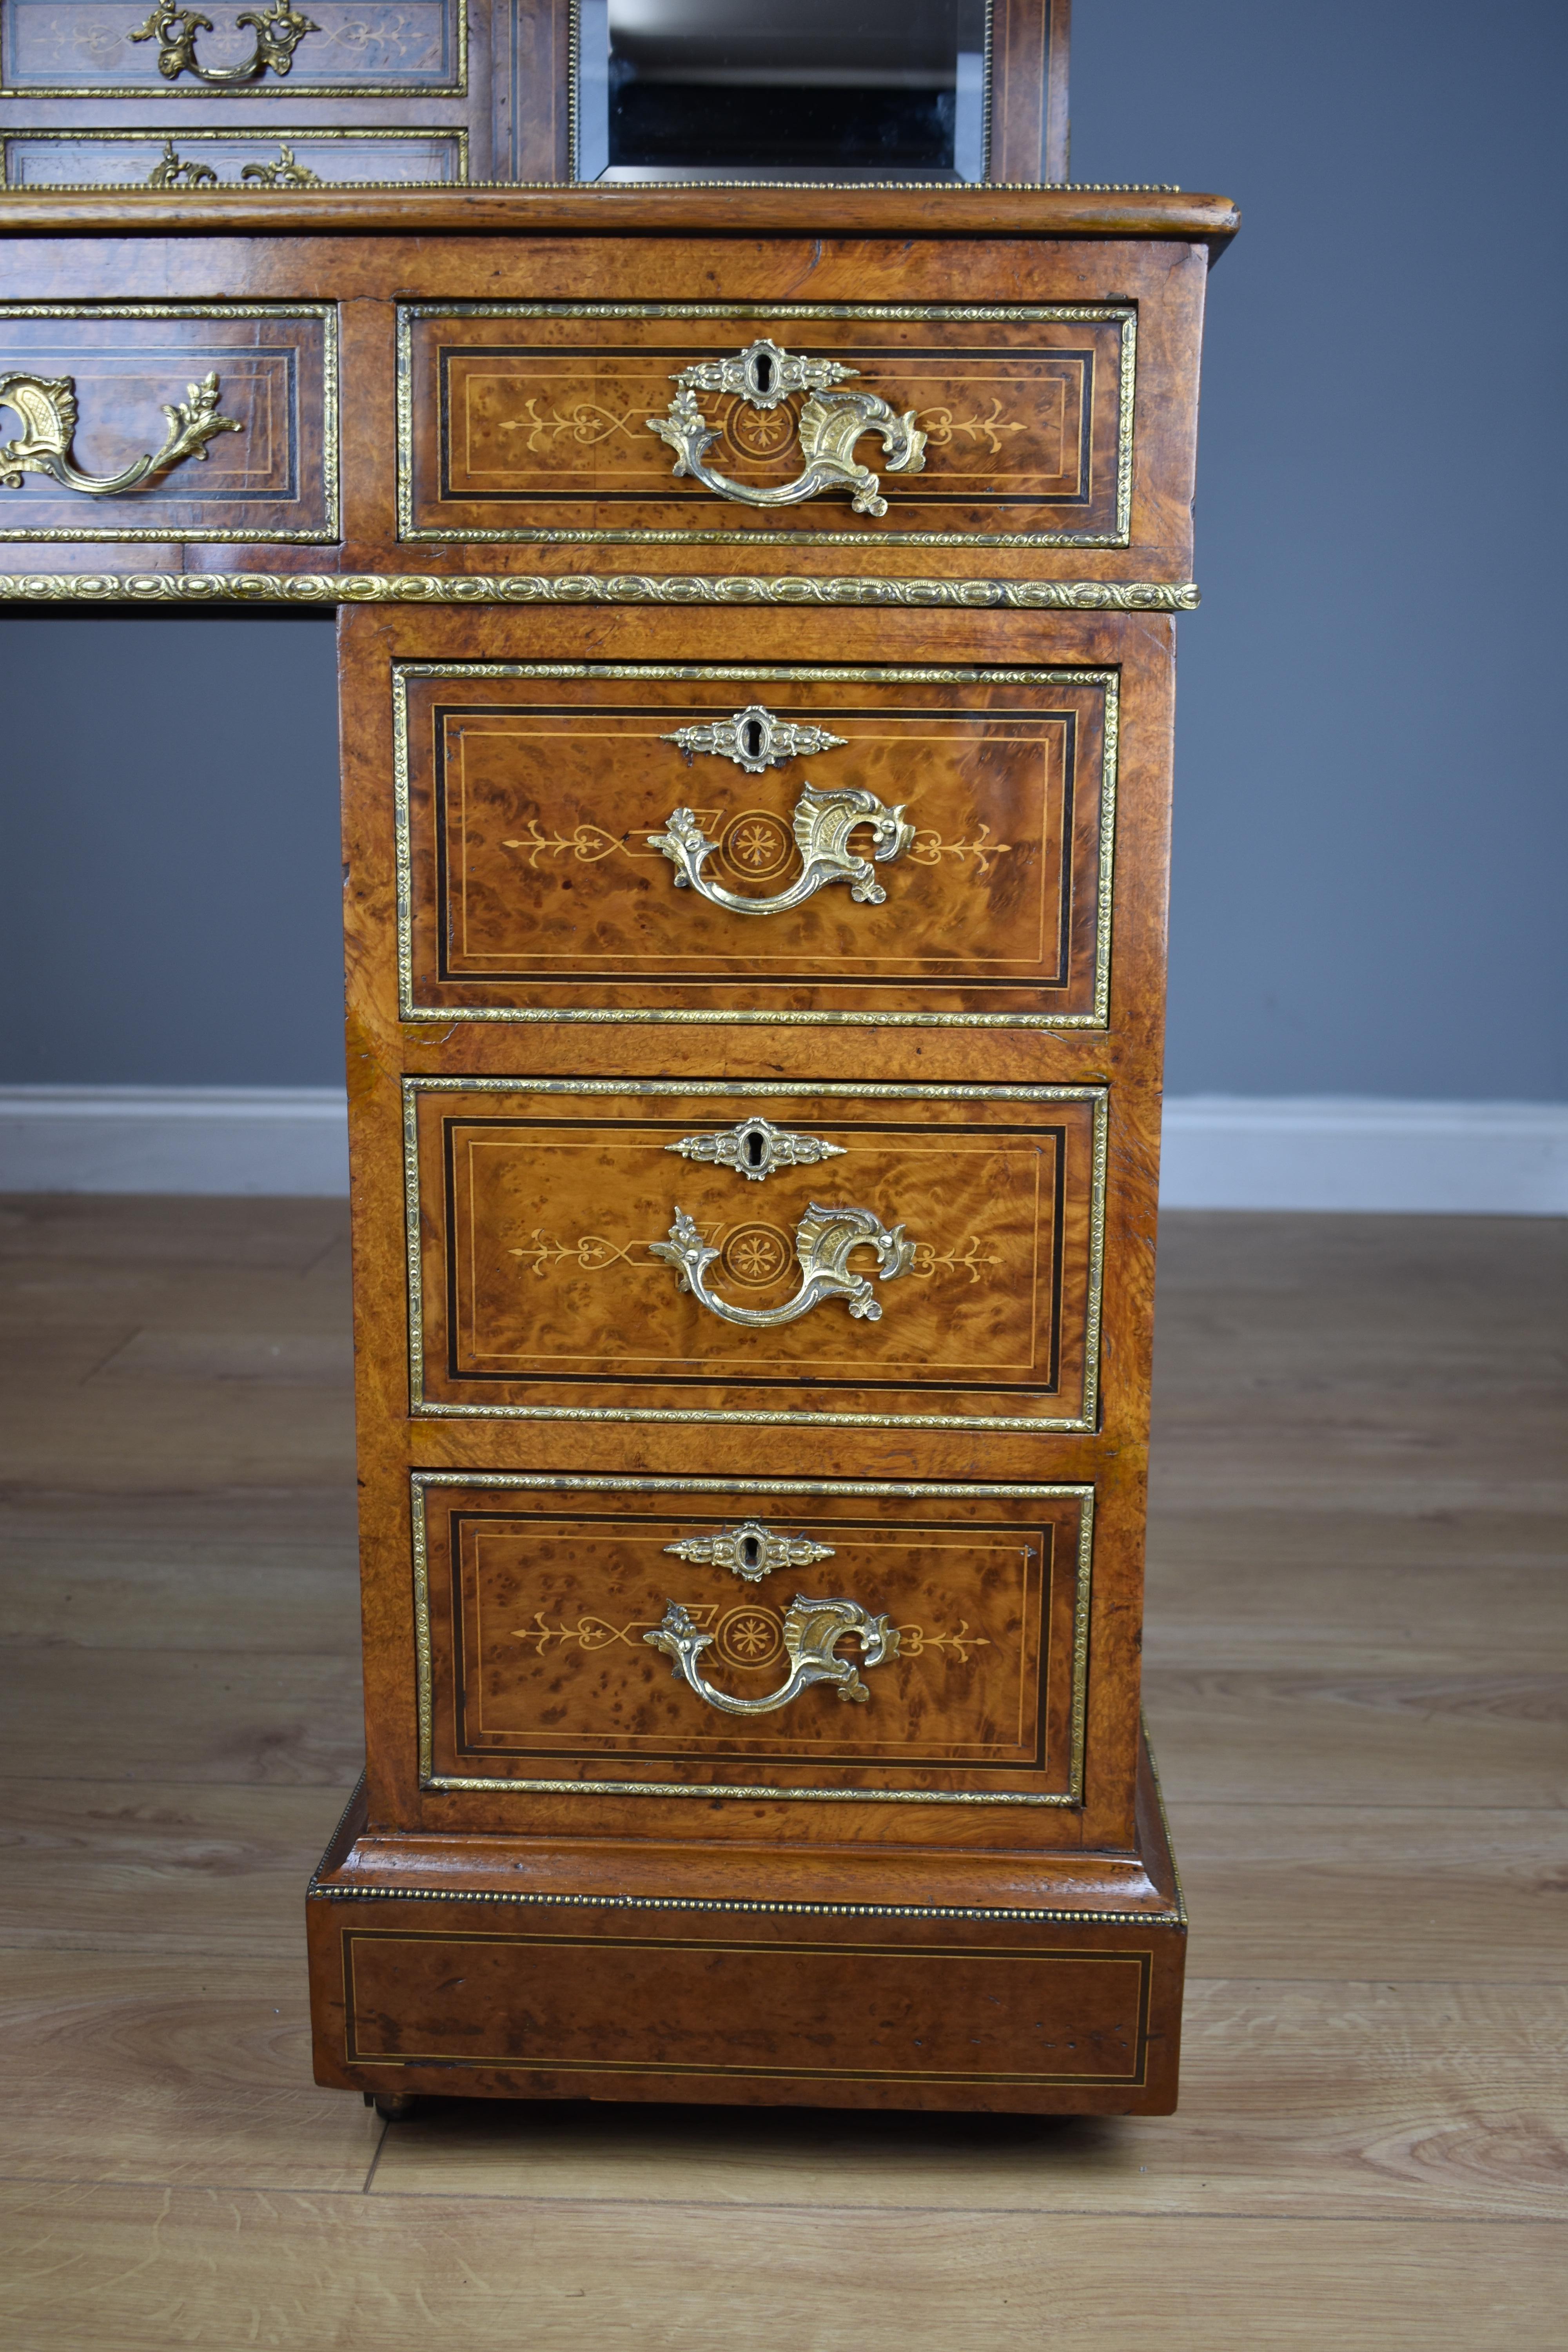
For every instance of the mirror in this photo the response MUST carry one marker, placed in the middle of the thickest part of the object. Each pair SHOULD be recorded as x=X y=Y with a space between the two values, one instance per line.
x=814 y=89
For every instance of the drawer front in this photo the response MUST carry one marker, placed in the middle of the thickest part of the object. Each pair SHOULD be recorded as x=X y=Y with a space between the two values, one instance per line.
x=262 y=156
x=232 y=405
x=806 y=1640
x=912 y=844
x=983 y=425
x=639 y=1250
x=348 y=48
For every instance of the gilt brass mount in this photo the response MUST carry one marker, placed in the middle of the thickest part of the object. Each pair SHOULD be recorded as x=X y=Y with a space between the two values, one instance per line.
x=822 y=825
x=824 y=1240
x=756 y=1148
x=755 y=740
x=47 y=407
x=750 y=1550
x=173 y=171
x=278 y=33
x=812 y=1629
x=829 y=425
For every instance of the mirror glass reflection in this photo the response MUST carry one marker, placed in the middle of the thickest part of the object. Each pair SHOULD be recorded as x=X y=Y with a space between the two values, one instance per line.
x=681 y=89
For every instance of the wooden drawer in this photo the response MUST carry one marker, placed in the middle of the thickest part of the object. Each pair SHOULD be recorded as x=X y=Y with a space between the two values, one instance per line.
x=243 y=394
x=907 y=845
x=984 y=424
x=335 y=49
x=861 y=1255
x=879 y=1642
x=268 y=154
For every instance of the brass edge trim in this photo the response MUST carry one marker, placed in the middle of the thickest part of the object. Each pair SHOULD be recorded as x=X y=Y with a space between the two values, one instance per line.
x=514 y=1481
x=1180 y=1917
x=454 y=134
x=420 y=1409
x=314 y=588
x=1124 y=314
x=140 y=93
x=1109 y=680
x=339 y=1825
x=366 y=1894
x=24 y=586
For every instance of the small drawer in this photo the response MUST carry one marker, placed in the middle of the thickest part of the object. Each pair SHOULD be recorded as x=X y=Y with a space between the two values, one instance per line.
x=335 y=49
x=797 y=844
x=672 y=1637
x=866 y=1255
x=263 y=156
x=169 y=422
x=805 y=424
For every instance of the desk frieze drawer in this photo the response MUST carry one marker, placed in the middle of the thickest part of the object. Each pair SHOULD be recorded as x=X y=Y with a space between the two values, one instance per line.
x=683 y=1251
x=805 y=844
x=809 y=424
x=169 y=422
x=772 y=1639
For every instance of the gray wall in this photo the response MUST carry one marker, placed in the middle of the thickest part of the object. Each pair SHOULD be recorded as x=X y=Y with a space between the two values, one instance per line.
x=1370 y=842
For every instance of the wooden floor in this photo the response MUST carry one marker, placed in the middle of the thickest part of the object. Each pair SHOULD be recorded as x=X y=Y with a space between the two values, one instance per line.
x=1355 y=1645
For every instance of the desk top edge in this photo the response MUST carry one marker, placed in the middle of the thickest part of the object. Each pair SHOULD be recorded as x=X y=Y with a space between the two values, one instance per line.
x=835 y=209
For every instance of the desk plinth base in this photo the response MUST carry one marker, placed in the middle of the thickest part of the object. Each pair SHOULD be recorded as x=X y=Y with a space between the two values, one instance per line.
x=430 y=1974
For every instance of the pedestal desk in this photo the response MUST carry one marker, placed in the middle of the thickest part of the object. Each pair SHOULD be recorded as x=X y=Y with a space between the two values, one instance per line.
x=756 y=614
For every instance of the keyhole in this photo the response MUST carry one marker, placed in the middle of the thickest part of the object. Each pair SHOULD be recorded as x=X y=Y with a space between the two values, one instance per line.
x=753 y=737
x=754 y=1149
x=764 y=372
x=750 y=1551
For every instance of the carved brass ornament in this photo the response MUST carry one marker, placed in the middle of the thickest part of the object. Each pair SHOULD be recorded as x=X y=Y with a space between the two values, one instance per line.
x=822 y=825
x=750 y=1550
x=824 y=1240
x=174 y=171
x=47 y=407
x=755 y=1148
x=812 y=1630
x=755 y=740
x=829 y=425
x=278 y=33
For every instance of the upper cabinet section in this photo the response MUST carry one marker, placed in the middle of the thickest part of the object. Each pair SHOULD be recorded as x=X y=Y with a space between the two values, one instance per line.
x=941 y=425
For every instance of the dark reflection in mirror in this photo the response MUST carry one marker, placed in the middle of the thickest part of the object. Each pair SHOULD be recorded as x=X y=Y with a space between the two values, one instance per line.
x=781 y=89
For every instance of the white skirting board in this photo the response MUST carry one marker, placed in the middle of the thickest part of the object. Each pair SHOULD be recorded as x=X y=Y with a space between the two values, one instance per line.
x=1221 y=1151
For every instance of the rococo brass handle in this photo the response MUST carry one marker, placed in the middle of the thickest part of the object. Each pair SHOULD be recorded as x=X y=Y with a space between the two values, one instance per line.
x=278 y=33
x=812 y=1629
x=829 y=425
x=822 y=825
x=46 y=405
x=822 y=1242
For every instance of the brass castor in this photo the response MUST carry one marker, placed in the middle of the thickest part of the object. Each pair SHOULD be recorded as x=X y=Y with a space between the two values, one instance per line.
x=392 y=2106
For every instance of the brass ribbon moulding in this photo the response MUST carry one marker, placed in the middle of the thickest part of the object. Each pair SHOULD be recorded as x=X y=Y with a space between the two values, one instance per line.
x=48 y=407
x=593 y=588
x=812 y=1629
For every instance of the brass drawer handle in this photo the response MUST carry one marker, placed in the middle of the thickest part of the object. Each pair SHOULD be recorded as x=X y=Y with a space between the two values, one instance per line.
x=278 y=35
x=822 y=823
x=46 y=405
x=829 y=425
x=811 y=1630
x=822 y=1242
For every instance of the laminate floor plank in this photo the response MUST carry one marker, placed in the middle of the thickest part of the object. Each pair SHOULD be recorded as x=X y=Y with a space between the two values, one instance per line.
x=140 y=2268
x=1357 y=1604
x=208 y=1715
x=191 y=1869
x=181 y=2068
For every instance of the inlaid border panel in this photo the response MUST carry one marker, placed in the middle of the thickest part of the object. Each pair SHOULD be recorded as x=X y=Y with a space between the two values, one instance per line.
x=767 y=1090
x=1046 y=313
x=425 y=1482
x=759 y=675
x=151 y=88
